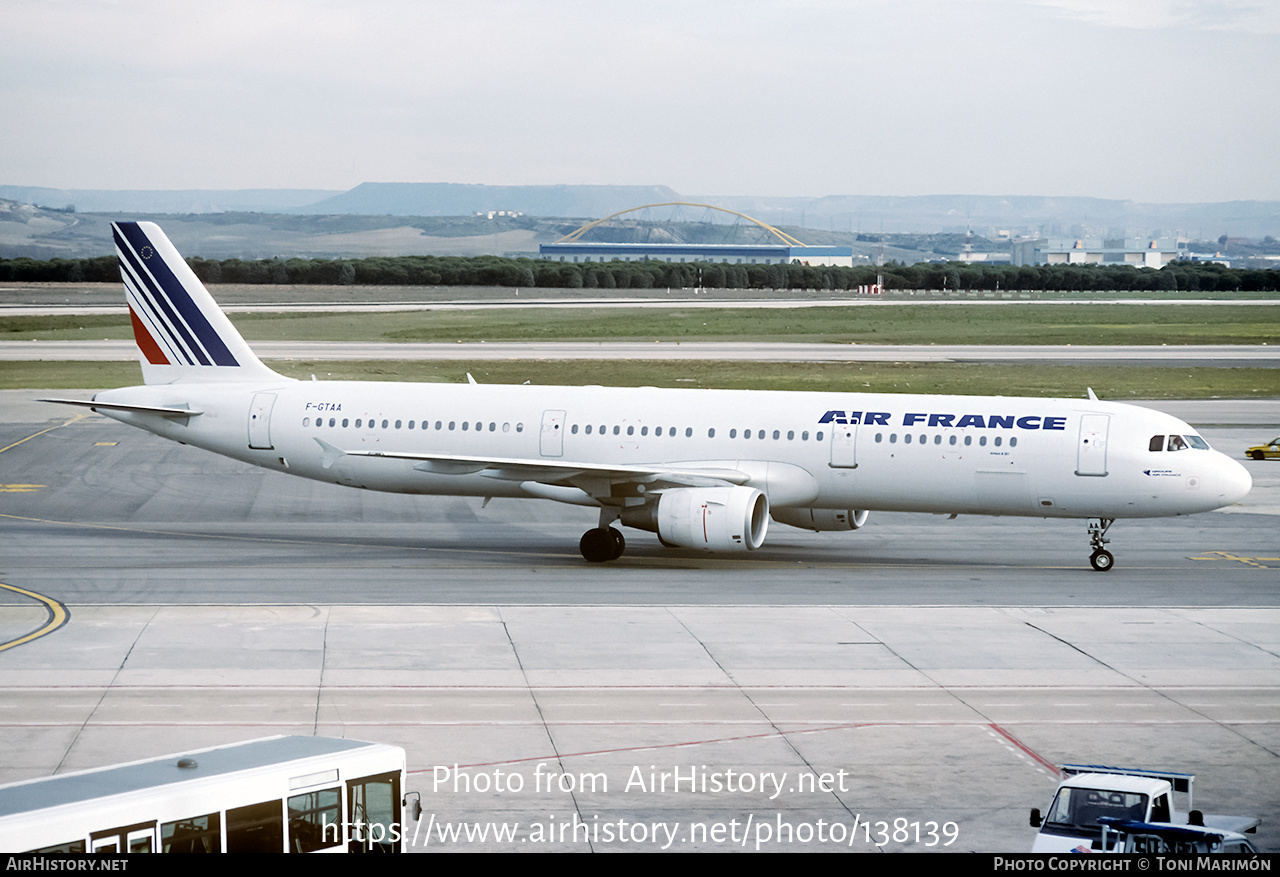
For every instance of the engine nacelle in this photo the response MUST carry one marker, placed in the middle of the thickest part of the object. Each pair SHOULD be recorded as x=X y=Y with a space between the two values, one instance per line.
x=716 y=518
x=820 y=520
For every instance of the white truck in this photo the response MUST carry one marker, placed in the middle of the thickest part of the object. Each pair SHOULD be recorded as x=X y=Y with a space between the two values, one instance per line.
x=1089 y=792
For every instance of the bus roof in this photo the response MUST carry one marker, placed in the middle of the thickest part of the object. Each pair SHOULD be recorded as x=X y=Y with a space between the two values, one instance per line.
x=55 y=791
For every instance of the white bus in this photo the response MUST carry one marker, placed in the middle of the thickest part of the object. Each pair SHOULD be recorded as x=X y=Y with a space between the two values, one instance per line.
x=277 y=794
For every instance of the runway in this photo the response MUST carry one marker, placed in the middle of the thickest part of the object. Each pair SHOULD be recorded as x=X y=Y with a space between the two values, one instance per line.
x=943 y=666
x=1215 y=356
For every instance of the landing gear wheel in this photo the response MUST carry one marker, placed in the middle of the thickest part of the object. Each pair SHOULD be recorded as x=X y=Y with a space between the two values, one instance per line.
x=1101 y=560
x=601 y=544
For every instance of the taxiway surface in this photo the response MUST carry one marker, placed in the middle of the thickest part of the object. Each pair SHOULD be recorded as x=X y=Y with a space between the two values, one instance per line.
x=933 y=670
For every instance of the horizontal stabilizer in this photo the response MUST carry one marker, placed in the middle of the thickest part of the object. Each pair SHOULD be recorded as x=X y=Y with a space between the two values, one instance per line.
x=162 y=411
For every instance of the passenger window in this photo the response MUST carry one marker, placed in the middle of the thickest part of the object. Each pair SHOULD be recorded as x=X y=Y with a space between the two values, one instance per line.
x=1156 y=443
x=199 y=834
x=315 y=821
x=257 y=828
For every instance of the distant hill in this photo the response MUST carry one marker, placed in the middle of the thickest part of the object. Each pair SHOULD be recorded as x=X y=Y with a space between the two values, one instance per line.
x=458 y=199
x=1036 y=215
x=165 y=201
x=461 y=219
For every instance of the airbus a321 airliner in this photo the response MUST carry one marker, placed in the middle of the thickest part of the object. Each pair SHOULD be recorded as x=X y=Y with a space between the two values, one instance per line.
x=702 y=469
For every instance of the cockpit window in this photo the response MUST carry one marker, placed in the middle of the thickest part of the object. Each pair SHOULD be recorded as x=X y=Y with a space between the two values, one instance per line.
x=1198 y=443
x=1176 y=443
x=1157 y=443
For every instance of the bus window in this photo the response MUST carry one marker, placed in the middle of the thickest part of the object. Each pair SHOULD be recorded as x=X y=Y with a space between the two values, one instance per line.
x=374 y=807
x=257 y=828
x=200 y=834
x=137 y=838
x=315 y=821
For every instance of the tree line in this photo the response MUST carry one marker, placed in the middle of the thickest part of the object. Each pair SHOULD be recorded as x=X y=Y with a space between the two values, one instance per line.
x=521 y=272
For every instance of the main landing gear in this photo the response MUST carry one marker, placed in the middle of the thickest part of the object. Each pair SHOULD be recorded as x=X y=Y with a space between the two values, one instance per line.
x=602 y=544
x=1101 y=559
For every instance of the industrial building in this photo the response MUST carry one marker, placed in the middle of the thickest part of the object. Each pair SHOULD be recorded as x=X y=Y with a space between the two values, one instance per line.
x=768 y=254
x=1138 y=252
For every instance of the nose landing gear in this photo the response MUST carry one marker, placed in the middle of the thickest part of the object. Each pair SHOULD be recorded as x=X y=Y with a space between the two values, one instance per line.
x=1101 y=559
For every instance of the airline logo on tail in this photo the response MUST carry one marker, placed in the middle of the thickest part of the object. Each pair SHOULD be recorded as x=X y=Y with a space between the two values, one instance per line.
x=168 y=323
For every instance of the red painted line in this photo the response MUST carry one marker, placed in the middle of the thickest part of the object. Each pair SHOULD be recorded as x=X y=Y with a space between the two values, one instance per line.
x=1033 y=755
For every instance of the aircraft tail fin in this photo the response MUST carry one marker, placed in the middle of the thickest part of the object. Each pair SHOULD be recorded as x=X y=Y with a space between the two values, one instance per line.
x=182 y=334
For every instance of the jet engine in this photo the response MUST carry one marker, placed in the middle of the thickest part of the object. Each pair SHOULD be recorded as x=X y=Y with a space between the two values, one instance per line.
x=819 y=520
x=717 y=518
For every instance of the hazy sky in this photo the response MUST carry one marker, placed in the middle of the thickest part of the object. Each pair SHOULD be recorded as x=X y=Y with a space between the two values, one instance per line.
x=1153 y=100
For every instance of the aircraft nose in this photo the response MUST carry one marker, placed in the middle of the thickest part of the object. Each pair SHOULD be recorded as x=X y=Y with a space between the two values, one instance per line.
x=1234 y=481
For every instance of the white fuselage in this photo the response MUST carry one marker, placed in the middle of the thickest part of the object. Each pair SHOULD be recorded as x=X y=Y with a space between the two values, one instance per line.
x=943 y=454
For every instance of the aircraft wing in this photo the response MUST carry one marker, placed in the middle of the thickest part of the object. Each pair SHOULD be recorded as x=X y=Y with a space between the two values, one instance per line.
x=595 y=479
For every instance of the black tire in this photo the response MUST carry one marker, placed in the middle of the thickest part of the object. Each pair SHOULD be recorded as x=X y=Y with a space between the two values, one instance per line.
x=597 y=546
x=619 y=543
x=1258 y=455
x=1102 y=561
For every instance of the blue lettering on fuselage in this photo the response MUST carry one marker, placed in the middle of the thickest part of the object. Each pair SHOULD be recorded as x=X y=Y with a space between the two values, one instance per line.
x=957 y=421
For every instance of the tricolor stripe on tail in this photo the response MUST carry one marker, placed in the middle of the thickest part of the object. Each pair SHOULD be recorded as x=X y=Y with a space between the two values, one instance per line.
x=181 y=332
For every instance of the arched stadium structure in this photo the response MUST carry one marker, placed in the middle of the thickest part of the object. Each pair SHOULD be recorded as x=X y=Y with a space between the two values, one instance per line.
x=780 y=248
